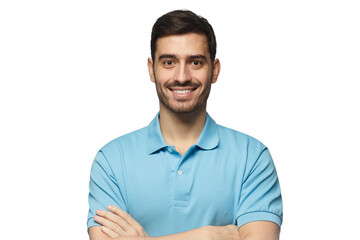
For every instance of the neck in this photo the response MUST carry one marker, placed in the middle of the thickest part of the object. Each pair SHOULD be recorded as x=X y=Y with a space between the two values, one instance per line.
x=181 y=130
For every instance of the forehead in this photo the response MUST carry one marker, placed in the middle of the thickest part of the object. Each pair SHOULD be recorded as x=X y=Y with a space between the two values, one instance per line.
x=182 y=45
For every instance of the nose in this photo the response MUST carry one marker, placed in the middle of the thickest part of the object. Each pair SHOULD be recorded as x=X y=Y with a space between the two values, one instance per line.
x=182 y=74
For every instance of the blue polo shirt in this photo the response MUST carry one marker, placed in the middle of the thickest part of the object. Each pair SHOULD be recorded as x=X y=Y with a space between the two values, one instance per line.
x=227 y=177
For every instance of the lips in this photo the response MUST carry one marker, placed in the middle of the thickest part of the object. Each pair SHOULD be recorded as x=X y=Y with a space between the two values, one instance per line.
x=182 y=90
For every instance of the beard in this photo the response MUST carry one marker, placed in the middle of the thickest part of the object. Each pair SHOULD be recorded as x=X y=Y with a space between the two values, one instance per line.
x=183 y=107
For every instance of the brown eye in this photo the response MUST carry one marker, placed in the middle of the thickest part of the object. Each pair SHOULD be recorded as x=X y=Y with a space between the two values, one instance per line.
x=168 y=62
x=196 y=62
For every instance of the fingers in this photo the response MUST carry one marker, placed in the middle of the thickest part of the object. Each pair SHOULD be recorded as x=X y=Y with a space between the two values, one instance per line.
x=124 y=215
x=109 y=232
x=109 y=225
x=119 y=222
x=134 y=225
x=118 y=219
x=232 y=226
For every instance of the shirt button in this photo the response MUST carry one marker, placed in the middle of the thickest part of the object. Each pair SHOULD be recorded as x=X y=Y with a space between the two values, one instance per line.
x=170 y=150
x=179 y=172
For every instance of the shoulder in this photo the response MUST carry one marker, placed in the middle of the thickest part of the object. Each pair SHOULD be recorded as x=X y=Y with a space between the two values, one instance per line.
x=247 y=149
x=115 y=147
x=132 y=137
x=236 y=138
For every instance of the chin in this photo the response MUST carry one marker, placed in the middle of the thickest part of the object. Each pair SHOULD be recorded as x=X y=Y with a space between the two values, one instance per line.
x=185 y=109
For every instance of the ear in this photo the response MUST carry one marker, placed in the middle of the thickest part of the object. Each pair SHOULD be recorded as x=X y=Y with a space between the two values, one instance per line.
x=215 y=70
x=151 y=69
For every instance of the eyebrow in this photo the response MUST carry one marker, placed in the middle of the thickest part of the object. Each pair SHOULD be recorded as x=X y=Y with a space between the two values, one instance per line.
x=167 y=56
x=199 y=56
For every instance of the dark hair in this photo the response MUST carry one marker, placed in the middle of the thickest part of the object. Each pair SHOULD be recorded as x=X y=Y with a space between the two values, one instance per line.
x=181 y=22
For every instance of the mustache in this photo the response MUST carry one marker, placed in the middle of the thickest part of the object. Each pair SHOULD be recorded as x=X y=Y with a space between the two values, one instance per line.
x=185 y=84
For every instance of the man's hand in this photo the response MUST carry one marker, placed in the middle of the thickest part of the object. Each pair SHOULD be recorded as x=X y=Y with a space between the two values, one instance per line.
x=118 y=223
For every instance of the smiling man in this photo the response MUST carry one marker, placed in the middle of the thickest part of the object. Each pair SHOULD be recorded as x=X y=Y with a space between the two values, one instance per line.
x=184 y=176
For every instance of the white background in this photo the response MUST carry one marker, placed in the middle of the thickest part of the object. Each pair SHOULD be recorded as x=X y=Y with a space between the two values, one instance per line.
x=73 y=77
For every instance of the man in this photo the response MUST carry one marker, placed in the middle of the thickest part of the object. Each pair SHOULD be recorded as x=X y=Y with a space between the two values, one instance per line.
x=184 y=176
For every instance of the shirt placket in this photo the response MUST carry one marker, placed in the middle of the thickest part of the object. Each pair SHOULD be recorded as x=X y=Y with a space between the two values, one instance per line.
x=182 y=177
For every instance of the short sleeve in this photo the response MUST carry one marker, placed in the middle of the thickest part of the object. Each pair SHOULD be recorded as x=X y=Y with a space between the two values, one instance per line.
x=260 y=198
x=104 y=189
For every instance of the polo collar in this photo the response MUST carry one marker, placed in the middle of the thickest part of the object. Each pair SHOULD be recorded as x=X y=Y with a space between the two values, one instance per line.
x=155 y=140
x=209 y=138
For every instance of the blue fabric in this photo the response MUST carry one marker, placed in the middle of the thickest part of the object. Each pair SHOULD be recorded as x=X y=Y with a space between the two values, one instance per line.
x=227 y=177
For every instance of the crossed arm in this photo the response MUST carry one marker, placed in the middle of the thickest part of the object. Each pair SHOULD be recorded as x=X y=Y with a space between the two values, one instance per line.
x=117 y=224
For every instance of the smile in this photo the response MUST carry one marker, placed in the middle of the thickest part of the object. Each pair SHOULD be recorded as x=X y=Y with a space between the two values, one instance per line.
x=182 y=91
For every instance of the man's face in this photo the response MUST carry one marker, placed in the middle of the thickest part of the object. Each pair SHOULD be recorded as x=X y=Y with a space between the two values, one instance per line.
x=183 y=72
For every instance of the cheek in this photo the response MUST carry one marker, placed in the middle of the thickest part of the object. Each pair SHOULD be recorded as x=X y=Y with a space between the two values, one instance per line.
x=163 y=76
x=203 y=76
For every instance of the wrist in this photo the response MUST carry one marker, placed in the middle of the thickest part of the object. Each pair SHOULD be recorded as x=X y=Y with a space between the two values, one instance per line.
x=206 y=232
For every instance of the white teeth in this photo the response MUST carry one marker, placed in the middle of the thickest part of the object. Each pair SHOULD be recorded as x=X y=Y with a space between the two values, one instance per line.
x=182 y=91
